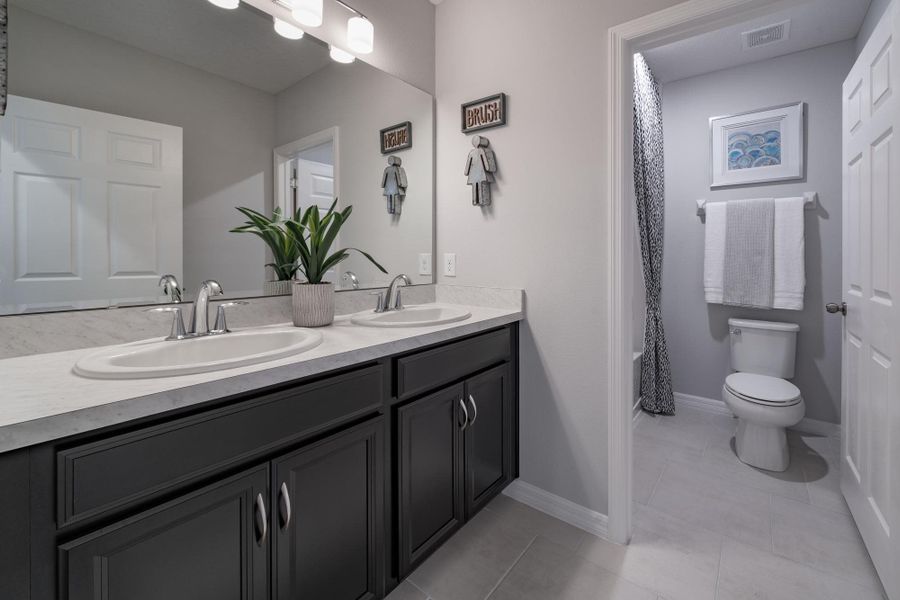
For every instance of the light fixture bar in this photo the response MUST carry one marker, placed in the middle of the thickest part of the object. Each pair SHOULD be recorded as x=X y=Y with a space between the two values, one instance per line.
x=351 y=9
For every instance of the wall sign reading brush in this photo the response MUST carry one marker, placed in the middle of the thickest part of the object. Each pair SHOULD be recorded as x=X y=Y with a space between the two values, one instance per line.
x=484 y=113
x=396 y=137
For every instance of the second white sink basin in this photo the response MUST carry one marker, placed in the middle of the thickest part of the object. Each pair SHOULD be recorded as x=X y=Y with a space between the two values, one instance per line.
x=422 y=315
x=160 y=358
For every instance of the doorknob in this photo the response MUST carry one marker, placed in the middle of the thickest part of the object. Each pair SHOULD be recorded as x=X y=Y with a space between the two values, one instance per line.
x=837 y=308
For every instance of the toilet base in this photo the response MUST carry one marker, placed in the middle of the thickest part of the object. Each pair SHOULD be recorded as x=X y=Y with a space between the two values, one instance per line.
x=762 y=446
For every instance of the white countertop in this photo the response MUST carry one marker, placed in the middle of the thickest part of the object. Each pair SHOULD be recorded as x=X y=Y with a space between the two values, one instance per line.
x=41 y=399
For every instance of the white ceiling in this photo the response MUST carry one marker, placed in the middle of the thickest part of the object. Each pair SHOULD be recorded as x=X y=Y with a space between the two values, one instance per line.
x=814 y=23
x=239 y=45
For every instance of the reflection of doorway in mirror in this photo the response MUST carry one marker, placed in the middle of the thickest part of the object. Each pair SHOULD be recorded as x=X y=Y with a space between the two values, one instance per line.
x=313 y=184
x=90 y=207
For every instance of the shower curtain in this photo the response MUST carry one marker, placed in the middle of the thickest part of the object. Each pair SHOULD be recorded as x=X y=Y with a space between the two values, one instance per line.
x=3 y=55
x=649 y=191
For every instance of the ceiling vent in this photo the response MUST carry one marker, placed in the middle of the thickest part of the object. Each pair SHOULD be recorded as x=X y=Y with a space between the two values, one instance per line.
x=767 y=35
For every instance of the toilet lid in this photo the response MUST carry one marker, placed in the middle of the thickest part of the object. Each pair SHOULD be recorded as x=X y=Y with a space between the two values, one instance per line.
x=762 y=387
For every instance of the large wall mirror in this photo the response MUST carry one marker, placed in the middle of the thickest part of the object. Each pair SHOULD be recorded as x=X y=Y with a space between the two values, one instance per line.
x=135 y=129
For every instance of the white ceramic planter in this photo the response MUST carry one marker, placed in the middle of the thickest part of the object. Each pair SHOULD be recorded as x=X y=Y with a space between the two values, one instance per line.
x=313 y=304
x=277 y=288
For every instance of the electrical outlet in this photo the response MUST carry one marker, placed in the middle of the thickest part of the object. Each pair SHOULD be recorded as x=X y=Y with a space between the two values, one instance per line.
x=450 y=264
x=425 y=263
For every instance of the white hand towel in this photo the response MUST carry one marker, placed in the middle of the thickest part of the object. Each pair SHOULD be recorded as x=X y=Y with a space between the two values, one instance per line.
x=714 y=252
x=750 y=253
x=790 y=268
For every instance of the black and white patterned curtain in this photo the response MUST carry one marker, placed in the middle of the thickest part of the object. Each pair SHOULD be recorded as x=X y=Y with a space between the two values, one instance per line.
x=4 y=45
x=649 y=191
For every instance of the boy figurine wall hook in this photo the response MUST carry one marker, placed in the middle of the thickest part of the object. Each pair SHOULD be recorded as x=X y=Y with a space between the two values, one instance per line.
x=480 y=168
x=394 y=183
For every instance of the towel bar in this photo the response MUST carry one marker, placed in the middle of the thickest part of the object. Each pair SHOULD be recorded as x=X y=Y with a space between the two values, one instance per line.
x=810 y=199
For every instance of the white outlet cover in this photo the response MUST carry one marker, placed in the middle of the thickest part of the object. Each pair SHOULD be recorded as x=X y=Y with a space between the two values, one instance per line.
x=450 y=264
x=425 y=263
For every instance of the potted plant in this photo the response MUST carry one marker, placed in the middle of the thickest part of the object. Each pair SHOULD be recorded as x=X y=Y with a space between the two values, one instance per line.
x=281 y=242
x=302 y=246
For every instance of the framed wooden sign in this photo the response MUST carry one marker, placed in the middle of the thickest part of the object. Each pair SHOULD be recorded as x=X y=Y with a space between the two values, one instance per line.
x=484 y=113
x=397 y=137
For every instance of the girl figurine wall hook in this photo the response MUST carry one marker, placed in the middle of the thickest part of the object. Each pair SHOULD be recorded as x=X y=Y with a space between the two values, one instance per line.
x=480 y=168
x=394 y=183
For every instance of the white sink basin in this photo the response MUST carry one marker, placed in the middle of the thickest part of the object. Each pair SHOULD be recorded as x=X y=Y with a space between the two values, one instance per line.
x=422 y=315
x=160 y=358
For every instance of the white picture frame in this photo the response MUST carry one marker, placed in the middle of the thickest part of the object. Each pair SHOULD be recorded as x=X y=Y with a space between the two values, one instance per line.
x=758 y=146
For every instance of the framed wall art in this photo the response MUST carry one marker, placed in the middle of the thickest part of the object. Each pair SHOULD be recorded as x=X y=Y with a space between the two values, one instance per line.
x=758 y=146
x=484 y=113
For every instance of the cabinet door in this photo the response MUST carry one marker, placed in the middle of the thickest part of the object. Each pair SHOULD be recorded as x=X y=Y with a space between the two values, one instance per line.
x=429 y=473
x=329 y=517
x=488 y=445
x=209 y=545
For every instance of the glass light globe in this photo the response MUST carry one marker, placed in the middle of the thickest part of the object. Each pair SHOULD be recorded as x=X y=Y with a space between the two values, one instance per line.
x=307 y=12
x=287 y=30
x=360 y=35
x=341 y=56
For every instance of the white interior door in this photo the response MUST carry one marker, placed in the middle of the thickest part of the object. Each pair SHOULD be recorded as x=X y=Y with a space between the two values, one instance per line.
x=870 y=465
x=315 y=186
x=90 y=206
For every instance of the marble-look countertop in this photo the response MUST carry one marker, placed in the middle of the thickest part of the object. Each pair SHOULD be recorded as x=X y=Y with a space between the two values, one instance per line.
x=41 y=399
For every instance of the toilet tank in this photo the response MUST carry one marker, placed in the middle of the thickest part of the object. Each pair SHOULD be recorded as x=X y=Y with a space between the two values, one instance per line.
x=763 y=347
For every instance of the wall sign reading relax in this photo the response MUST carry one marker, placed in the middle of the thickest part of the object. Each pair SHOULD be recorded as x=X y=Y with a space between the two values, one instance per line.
x=397 y=137
x=484 y=114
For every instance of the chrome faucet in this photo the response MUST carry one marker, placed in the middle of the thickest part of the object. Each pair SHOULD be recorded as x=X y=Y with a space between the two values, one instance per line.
x=351 y=276
x=170 y=287
x=200 y=313
x=392 y=299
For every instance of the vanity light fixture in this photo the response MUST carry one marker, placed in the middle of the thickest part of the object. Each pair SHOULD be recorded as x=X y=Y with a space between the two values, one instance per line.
x=287 y=30
x=307 y=12
x=339 y=55
x=229 y=4
x=360 y=35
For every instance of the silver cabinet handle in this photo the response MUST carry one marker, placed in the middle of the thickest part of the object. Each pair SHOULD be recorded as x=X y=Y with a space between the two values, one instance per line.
x=262 y=520
x=474 y=409
x=465 y=424
x=284 y=506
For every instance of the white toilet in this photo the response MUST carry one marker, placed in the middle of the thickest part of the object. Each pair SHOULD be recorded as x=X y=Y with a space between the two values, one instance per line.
x=766 y=404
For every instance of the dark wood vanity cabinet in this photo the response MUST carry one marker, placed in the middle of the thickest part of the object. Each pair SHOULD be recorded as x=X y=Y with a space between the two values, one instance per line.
x=329 y=487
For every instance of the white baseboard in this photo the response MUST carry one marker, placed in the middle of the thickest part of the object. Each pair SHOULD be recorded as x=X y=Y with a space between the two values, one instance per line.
x=557 y=506
x=711 y=405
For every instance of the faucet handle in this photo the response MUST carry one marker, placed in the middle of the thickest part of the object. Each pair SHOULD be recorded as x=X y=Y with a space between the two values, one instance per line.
x=379 y=302
x=221 y=326
x=177 y=332
x=398 y=302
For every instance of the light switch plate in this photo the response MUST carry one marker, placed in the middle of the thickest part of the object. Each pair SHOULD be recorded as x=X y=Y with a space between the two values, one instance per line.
x=425 y=263
x=450 y=264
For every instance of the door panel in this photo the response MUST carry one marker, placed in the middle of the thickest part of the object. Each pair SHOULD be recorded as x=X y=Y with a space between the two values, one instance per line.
x=429 y=474
x=90 y=206
x=488 y=447
x=208 y=545
x=870 y=465
x=328 y=507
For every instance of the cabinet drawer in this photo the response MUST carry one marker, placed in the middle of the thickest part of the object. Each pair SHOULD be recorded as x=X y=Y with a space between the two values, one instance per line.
x=427 y=370
x=103 y=475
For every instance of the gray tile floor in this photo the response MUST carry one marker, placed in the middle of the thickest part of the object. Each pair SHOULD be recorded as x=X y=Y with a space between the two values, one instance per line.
x=706 y=527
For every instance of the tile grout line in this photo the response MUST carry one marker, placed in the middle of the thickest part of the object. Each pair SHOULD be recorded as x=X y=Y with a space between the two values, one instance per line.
x=656 y=483
x=427 y=595
x=719 y=565
x=511 y=567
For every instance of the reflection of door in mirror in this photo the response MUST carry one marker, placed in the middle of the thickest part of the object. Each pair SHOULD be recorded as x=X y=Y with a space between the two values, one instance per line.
x=313 y=185
x=90 y=207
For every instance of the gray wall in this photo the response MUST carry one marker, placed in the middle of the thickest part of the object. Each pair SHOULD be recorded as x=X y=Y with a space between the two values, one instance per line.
x=698 y=332
x=876 y=11
x=546 y=230
x=228 y=131
x=363 y=100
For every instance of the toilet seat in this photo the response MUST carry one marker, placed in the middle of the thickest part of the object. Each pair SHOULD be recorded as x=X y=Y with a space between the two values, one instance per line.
x=763 y=389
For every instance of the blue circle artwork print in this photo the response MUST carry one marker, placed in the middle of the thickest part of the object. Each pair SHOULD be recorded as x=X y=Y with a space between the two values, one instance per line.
x=750 y=149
